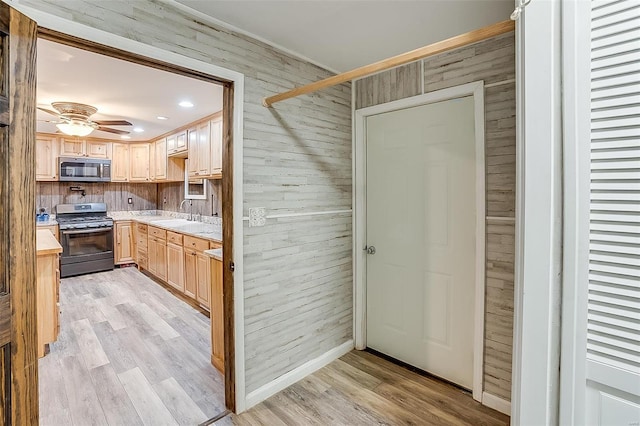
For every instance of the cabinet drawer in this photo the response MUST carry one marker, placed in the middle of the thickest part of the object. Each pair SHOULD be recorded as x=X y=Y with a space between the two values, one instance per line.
x=142 y=228
x=196 y=243
x=142 y=242
x=215 y=245
x=157 y=232
x=174 y=238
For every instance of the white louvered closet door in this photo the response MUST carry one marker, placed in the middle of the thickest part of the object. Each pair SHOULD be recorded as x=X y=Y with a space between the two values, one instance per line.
x=613 y=334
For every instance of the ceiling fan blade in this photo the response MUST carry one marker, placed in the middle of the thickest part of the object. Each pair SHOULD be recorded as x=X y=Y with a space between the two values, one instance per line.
x=112 y=122
x=110 y=130
x=49 y=111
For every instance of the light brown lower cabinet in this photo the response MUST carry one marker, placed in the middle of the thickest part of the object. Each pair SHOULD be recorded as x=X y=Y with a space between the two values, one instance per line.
x=142 y=243
x=48 y=298
x=217 y=316
x=203 y=286
x=157 y=252
x=190 y=272
x=124 y=250
x=175 y=266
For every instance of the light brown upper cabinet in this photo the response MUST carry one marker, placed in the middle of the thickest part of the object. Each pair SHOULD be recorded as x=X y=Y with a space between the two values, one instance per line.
x=205 y=149
x=95 y=149
x=120 y=163
x=46 y=158
x=75 y=147
x=160 y=163
x=139 y=161
x=216 y=146
x=166 y=169
x=72 y=147
x=177 y=144
x=193 y=151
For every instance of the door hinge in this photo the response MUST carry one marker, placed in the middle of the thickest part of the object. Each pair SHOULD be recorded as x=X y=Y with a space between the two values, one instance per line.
x=232 y=266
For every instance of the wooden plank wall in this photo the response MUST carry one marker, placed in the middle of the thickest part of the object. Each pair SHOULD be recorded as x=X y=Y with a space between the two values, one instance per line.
x=494 y=62
x=145 y=195
x=297 y=158
x=170 y=195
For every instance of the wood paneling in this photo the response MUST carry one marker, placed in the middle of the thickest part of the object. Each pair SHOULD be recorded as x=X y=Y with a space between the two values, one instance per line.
x=171 y=194
x=397 y=83
x=115 y=194
x=17 y=206
x=493 y=61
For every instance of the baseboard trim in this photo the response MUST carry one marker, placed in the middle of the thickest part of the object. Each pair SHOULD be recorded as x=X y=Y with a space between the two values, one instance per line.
x=297 y=374
x=497 y=403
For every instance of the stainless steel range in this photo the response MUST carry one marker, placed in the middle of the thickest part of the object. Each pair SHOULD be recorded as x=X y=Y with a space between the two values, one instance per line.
x=86 y=236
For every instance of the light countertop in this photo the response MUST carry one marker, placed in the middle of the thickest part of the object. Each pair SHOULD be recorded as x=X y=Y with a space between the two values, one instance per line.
x=46 y=243
x=50 y=222
x=195 y=229
x=215 y=253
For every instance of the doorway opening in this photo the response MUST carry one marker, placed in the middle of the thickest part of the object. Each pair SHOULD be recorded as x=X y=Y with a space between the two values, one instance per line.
x=225 y=209
x=455 y=150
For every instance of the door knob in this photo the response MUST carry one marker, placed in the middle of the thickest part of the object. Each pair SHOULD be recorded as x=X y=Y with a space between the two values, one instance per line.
x=370 y=250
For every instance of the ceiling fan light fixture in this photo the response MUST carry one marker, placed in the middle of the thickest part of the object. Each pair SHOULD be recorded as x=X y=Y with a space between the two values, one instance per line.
x=75 y=128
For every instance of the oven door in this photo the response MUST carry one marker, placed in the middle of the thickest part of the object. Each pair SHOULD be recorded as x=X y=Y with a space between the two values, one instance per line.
x=85 y=245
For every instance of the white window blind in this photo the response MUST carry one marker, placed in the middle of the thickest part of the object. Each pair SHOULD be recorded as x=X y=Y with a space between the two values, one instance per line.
x=613 y=337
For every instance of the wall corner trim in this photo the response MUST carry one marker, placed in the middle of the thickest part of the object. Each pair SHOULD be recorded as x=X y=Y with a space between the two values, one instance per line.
x=497 y=403
x=299 y=373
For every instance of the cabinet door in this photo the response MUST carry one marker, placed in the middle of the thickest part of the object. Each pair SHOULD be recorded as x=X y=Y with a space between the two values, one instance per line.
x=204 y=149
x=152 y=255
x=172 y=144
x=181 y=141
x=216 y=146
x=217 y=316
x=175 y=266
x=139 y=171
x=72 y=147
x=46 y=158
x=161 y=260
x=204 y=279
x=120 y=163
x=161 y=159
x=95 y=149
x=193 y=152
x=124 y=243
x=190 y=273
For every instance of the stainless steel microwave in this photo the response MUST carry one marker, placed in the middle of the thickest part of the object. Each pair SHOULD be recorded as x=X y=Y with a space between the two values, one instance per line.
x=85 y=169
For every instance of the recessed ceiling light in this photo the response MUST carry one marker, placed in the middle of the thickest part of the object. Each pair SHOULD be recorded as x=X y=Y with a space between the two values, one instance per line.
x=186 y=104
x=125 y=137
x=162 y=117
x=138 y=129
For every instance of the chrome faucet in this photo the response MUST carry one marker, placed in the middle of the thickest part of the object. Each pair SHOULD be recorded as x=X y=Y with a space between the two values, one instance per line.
x=190 y=208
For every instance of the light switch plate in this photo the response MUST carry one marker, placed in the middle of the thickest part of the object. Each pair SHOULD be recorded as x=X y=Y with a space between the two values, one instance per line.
x=257 y=216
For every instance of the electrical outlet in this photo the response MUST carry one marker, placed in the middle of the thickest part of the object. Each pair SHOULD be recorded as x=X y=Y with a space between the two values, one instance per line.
x=130 y=200
x=257 y=216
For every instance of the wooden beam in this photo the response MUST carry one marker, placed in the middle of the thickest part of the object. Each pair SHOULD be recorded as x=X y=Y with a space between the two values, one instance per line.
x=414 y=55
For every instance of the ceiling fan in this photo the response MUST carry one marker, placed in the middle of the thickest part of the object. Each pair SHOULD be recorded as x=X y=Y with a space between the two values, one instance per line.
x=74 y=119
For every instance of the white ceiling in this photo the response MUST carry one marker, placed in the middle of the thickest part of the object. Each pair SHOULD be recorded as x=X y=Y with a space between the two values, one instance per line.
x=120 y=90
x=344 y=34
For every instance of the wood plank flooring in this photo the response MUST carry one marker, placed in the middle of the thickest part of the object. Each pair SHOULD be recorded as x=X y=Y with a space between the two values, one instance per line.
x=129 y=353
x=363 y=389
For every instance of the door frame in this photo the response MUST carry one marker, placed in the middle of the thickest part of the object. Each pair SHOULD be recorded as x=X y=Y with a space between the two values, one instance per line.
x=475 y=89
x=233 y=83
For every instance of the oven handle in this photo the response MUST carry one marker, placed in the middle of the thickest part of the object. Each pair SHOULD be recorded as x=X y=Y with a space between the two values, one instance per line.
x=86 y=231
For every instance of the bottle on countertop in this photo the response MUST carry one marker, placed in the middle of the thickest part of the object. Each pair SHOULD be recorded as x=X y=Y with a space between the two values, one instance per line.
x=43 y=216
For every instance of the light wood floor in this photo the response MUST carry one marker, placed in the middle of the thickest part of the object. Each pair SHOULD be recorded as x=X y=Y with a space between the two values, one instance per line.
x=363 y=389
x=128 y=353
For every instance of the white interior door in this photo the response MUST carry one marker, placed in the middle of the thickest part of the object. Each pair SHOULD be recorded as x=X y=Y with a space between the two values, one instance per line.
x=421 y=217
